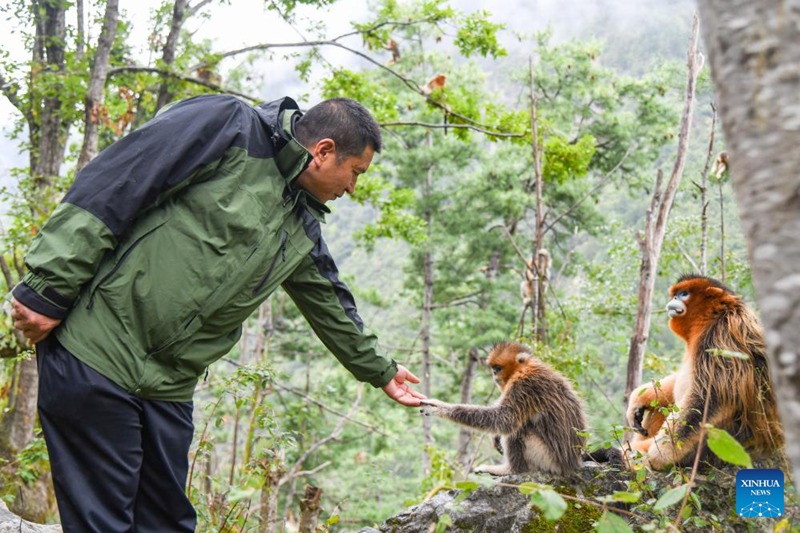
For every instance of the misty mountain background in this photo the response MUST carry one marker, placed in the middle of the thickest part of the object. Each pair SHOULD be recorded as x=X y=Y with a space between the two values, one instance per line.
x=636 y=34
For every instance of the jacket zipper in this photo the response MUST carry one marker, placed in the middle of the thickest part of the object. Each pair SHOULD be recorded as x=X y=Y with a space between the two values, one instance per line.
x=119 y=264
x=282 y=254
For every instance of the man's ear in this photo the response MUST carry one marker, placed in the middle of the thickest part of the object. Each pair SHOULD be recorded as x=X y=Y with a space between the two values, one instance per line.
x=323 y=149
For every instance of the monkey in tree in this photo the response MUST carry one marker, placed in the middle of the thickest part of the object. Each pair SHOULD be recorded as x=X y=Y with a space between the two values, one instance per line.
x=725 y=362
x=535 y=267
x=538 y=416
x=436 y=82
x=720 y=165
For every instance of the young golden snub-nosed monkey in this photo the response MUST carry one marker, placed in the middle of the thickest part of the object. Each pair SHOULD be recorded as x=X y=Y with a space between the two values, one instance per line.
x=538 y=416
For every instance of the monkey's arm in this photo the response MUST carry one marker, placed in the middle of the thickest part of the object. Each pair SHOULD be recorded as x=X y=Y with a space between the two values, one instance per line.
x=503 y=418
x=677 y=441
x=650 y=397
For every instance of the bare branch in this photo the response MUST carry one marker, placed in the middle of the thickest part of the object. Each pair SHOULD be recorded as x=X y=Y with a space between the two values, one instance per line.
x=458 y=300
x=193 y=10
x=589 y=194
x=393 y=23
x=326 y=408
x=9 y=90
x=453 y=126
x=190 y=79
x=313 y=470
x=511 y=240
x=294 y=471
x=304 y=44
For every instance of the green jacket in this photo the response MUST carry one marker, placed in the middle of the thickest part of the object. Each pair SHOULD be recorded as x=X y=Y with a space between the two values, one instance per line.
x=170 y=238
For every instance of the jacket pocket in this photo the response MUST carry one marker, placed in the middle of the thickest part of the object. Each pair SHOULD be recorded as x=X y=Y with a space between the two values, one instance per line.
x=121 y=261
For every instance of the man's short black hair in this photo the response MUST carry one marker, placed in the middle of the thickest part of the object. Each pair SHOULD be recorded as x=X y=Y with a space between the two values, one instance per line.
x=345 y=121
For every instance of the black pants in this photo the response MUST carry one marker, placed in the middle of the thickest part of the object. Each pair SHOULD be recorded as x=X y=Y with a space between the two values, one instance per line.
x=119 y=463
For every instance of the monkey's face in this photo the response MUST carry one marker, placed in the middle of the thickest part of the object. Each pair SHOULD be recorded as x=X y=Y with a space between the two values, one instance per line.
x=506 y=360
x=694 y=301
x=677 y=306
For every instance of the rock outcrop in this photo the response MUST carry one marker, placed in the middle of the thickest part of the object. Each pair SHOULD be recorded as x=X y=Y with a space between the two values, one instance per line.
x=11 y=523
x=499 y=505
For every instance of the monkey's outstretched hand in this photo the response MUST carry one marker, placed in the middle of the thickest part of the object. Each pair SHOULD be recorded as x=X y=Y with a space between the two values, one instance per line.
x=398 y=390
x=431 y=407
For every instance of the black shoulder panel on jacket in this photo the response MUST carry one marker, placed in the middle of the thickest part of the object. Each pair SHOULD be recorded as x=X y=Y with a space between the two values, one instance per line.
x=326 y=266
x=128 y=176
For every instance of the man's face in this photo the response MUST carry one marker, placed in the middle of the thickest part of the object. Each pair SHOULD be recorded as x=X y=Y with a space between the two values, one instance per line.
x=327 y=178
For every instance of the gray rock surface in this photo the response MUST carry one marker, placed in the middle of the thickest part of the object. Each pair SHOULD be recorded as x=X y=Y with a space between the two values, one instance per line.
x=11 y=523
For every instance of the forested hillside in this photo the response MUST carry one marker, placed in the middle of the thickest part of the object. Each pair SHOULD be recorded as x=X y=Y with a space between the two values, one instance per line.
x=538 y=133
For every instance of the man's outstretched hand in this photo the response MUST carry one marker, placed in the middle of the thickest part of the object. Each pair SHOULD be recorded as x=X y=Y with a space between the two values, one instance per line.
x=399 y=391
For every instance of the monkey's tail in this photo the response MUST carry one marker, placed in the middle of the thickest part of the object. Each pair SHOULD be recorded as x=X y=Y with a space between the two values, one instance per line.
x=604 y=455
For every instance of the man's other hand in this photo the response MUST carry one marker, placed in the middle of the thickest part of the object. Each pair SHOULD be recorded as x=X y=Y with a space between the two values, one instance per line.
x=34 y=326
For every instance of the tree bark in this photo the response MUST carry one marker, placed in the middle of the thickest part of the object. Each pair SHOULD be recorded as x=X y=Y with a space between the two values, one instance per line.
x=465 y=435
x=309 y=510
x=48 y=137
x=538 y=304
x=754 y=53
x=656 y=224
x=427 y=320
x=95 y=95
x=168 y=53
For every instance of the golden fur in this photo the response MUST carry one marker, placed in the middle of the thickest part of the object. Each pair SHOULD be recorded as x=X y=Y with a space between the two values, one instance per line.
x=538 y=416
x=725 y=361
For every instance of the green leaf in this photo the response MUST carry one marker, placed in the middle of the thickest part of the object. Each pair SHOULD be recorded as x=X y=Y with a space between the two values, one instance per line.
x=550 y=502
x=467 y=488
x=611 y=523
x=727 y=448
x=728 y=353
x=625 y=497
x=444 y=522
x=529 y=488
x=671 y=497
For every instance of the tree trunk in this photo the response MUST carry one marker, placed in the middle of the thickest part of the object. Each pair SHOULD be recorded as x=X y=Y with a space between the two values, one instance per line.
x=49 y=136
x=95 y=95
x=309 y=510
x=49 y=139
x=656 y=225
x=704 y=195
x=754 y=52
x=168 y=54
x=465 y=435
x=538 y=304
x=427 y=320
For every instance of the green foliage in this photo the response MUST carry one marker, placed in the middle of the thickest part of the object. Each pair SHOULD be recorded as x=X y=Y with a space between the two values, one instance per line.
x=728 y=448
x=32 y=460
x=611 y=523
x=346 y=83
x=441 y=473
x=395 y=220
x=671 y=497
x=565 y=159
x=546 y=499
x=477 y=34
